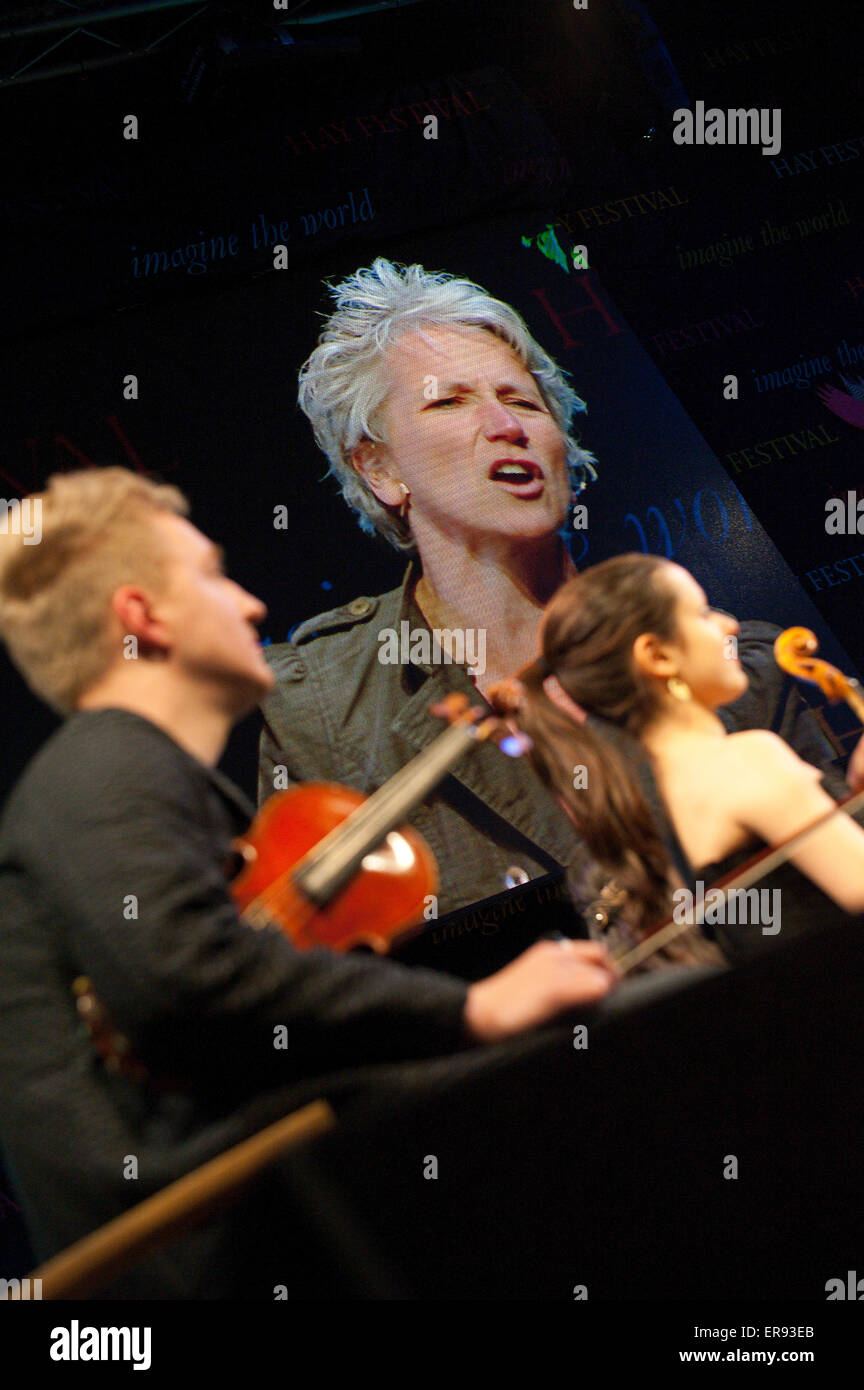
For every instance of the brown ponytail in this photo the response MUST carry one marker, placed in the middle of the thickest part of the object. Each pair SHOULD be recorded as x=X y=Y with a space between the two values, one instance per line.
x=588 y=635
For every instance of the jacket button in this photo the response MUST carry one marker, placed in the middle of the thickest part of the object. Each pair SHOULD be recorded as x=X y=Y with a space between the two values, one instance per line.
x=514 y=876
x=359 y=607
x=294 y=670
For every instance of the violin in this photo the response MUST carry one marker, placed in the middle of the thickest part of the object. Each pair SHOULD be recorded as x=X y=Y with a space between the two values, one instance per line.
x=335 y=868
x=330 y=866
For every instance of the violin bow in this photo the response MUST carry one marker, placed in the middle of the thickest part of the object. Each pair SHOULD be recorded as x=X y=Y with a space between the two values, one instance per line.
x=794 y=652
x=744 y=877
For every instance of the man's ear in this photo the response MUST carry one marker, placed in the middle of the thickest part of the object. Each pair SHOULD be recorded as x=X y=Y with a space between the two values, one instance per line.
x=132 y=607
x=653 y=657
x=366 y=459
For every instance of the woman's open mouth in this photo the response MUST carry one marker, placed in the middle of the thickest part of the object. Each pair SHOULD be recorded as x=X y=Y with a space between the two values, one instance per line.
x=521 y=477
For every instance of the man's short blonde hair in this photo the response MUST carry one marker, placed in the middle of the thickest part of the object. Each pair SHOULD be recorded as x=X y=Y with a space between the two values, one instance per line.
x=55 y=595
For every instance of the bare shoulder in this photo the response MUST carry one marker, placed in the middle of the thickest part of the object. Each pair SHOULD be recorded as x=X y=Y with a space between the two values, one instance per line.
x=756 y=754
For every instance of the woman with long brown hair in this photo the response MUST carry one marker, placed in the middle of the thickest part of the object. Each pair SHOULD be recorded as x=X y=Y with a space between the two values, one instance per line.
x=627 y=738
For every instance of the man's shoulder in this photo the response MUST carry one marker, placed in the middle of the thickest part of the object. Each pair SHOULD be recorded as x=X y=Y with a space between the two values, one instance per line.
x=344 y=633
x=98 y=755
x=114 y=737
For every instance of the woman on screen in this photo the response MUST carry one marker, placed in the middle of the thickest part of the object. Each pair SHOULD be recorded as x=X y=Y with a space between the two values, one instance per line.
x=449 y=430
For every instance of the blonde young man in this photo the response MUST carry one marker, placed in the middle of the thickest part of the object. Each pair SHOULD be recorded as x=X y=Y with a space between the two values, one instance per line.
x=112 y=855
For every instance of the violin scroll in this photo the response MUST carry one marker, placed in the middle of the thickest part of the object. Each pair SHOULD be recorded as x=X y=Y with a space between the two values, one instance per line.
x=794 y=652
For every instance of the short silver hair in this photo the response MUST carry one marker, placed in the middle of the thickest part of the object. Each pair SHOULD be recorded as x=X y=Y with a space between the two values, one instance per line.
x=342 y=386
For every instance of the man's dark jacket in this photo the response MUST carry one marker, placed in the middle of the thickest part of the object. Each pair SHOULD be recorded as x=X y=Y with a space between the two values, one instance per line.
x=112 y=855
x=339 y=714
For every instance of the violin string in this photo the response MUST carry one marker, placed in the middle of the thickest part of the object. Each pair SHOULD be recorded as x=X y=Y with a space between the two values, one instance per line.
x=334 y=854
x=371 y=822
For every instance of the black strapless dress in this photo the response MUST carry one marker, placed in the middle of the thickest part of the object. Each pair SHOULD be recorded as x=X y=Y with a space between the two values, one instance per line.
x=803 y=906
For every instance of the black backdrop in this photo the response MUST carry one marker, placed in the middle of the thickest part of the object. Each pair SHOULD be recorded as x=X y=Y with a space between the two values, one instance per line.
x=554 y=131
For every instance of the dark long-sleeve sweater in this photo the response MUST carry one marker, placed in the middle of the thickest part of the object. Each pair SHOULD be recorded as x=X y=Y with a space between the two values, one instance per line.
x=112 y=855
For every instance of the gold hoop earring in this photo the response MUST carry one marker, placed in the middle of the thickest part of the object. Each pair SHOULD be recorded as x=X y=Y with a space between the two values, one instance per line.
x=679 y=689
x=403 y=508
